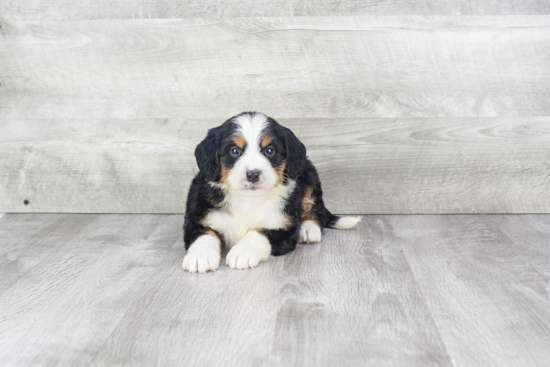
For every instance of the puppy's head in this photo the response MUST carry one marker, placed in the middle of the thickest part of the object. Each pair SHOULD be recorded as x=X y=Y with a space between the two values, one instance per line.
x=251 y=153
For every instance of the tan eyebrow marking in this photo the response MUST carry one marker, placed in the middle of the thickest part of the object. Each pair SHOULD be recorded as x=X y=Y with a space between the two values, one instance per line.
x=238 y=141
x=266 y=141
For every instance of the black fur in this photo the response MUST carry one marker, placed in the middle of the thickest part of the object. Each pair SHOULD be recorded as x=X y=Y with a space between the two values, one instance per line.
x=294 y=149
x=310 y=178
x=203 y=197
x=209 y=163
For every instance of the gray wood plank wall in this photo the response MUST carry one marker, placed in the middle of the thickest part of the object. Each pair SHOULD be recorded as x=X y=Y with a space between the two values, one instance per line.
x=406 y=107
x=137 y=9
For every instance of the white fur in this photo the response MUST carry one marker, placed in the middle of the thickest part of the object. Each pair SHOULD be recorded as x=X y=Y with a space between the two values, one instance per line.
x=251 y=128
x=310 y=232
x=203 y=255
x=249 y=251
x=346 y=222
x=241 y=213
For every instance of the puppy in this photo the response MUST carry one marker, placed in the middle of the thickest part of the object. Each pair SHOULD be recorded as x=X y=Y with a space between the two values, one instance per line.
x=256 y=193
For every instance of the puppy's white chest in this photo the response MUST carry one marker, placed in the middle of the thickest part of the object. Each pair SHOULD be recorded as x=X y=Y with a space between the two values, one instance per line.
x=240 y=214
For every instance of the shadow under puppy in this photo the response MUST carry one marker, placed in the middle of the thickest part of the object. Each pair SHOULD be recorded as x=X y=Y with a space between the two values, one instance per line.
x=256 y=193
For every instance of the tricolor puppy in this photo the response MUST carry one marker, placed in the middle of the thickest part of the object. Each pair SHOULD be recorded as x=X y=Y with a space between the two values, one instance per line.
x=256 y=193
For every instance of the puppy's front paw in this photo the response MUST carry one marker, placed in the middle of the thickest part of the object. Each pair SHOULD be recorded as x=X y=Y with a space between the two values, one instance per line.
x=241 y=257
x=249 y=251
x=310 y=232
x=201 y=261
x=203 y=255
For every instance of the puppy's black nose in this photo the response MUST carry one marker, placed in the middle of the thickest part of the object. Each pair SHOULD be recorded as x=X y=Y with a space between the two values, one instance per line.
x=253 y=175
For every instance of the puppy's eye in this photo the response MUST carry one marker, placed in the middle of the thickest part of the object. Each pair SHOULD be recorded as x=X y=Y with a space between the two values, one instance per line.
x=235 y=152
x=269 y=152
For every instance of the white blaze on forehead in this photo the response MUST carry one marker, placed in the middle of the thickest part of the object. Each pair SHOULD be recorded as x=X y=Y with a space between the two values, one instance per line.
x=251 y=128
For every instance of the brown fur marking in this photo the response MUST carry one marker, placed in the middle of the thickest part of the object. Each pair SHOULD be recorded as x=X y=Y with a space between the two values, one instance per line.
x=212 y=233
x=281 y=172
x=286 y=225
x=266 y=141
x=224 y=173
x=239 y=141
x=307 y=204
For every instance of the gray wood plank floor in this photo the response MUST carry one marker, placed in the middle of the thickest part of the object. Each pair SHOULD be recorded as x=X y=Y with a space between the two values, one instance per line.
x=440 y=290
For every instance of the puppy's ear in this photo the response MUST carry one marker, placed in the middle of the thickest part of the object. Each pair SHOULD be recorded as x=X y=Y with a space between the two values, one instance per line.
x=206 y=154
x=295 y=153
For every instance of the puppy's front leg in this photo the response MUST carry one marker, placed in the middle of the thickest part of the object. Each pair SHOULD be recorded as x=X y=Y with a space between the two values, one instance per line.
x=257 y=245
x=204 y=254
x=253 y=248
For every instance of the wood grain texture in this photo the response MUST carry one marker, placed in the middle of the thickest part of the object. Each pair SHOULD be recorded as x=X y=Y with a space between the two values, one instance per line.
x=102 y=9
x=414 y=165
x=447 y=290
x=283 y=315
x=63 y=309
x=352 y=301
x=227 y=317
x=103 y=115
x=484 y=284
x=287 y=67
x=531 y=232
